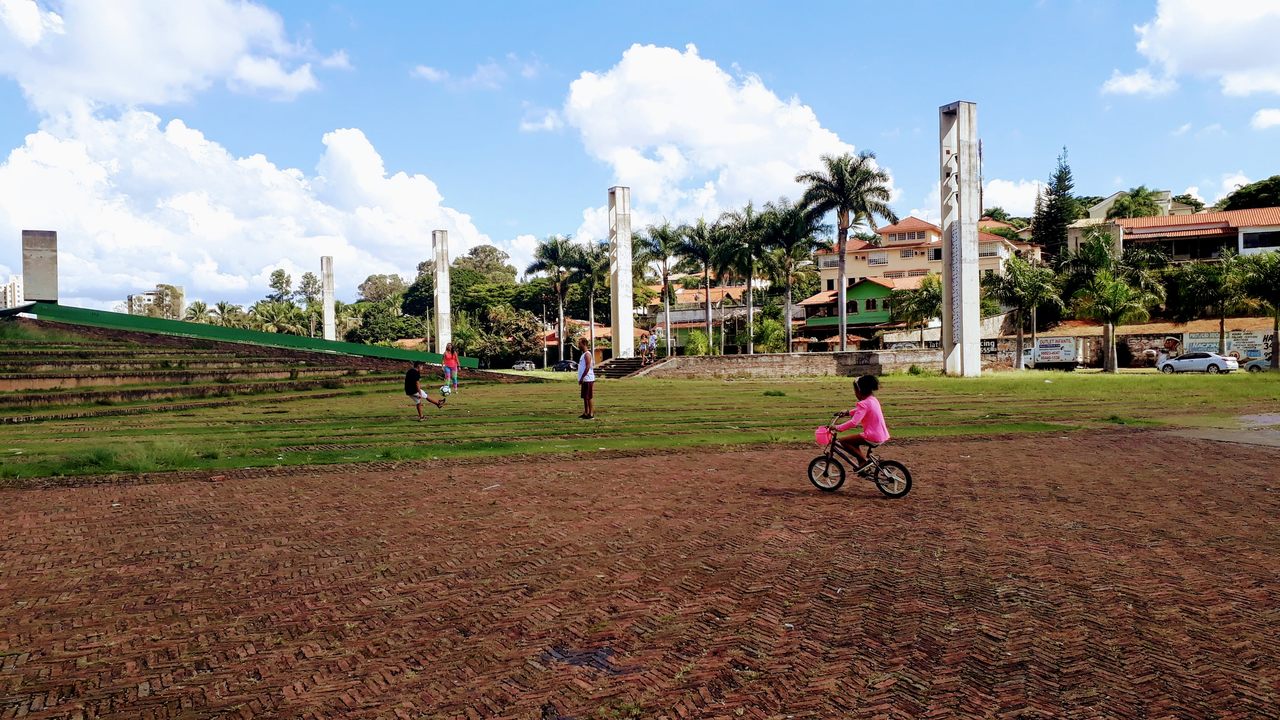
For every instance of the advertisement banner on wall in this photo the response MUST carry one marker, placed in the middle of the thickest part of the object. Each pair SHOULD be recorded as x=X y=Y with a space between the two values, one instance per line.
x=1241 y=344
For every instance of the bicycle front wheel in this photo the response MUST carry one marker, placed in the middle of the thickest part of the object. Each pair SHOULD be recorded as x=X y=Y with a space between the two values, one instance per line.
x=826 y=473
x=893 y=478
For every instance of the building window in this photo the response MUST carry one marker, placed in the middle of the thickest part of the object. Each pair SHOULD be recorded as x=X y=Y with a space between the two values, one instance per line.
x=895 y=274
x=877 y=259
x=853 y=307
x=871 y=304
x=988 y=250
x=935 y=254
x=906 y=253
x=831 y=285
x=917 y=273
x=1259 y=240
x=830 y=262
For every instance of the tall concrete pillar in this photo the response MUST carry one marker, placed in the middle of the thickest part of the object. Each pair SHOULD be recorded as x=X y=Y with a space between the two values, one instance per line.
x=327 y=299
x=40 y=265
x=620 y=301
x=961 y=308
x=443 y=315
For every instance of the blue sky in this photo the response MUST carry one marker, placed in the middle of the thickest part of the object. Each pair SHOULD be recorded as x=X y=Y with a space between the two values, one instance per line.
x=137 y=155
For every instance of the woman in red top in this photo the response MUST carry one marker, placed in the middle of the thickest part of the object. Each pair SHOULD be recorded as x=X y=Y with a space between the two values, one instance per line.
x=451 y=366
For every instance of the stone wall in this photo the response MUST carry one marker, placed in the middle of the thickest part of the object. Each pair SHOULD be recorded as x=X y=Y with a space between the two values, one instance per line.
x=783 y=365
x=879 y=362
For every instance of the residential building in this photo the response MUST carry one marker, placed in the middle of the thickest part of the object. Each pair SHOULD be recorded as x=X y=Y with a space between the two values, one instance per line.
x=1203 y=236
x=165 y=301
x=11 y=292
x=1164 y=201
x=869 y=310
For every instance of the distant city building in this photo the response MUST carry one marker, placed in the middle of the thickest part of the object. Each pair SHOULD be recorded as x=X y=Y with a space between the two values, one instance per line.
x=166 y=301
x=11 y=292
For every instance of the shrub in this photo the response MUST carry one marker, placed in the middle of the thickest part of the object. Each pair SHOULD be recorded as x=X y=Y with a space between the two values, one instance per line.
x=774 y=393
x=697 y=343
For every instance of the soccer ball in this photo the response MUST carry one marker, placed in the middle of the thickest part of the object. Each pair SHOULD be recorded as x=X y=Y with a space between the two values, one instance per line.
x=445 y=390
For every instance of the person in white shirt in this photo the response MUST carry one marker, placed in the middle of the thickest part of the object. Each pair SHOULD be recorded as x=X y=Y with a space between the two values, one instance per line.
x=587 y=379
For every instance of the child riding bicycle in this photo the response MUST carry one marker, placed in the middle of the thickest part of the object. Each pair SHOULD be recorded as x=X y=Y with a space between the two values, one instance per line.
x=867 y=413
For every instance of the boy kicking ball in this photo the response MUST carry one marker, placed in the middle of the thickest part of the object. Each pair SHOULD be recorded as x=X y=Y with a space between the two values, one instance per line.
x=413 y=388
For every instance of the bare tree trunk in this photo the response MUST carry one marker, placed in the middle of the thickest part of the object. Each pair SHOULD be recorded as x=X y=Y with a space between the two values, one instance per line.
x=842 y=296
x=1222 y=332
x=1033 y=329
x=1110 y=363
x=706 y=283
x=751 y=326
x=1275 y=339
x=787 y=319
x=560 y=339
x=721 y=326
x=666 y=307
x=591 y=320
x=1019 y=363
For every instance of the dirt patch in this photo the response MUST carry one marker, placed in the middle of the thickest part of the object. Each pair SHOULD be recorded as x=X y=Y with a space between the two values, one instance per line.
x=1088 y=576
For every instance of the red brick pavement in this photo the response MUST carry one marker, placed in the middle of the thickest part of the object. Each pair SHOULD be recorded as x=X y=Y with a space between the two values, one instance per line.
x=1130 y=576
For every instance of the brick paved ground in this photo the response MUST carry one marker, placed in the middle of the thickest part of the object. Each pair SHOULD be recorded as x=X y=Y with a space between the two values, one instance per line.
x=1133 y=576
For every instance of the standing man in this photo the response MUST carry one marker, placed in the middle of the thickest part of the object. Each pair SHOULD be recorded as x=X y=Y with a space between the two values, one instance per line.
x=587 y=379
x=413 y=388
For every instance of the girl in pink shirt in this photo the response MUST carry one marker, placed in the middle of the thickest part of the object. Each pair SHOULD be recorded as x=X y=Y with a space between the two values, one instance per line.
x=867 y=413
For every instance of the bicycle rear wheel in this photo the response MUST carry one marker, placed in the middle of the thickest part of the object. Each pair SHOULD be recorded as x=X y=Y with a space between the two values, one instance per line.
x=893 y=478
x=826 y=473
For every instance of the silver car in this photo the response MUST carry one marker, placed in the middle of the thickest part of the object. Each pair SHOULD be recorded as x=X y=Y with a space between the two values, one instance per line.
x=523 y=365
x=1211 y=363
x=1258 y=365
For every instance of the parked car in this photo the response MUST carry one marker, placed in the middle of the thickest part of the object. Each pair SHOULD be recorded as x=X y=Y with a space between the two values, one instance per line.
x=1258 y=365
x=523 y=365
x=565 y=366
x=1211 y=363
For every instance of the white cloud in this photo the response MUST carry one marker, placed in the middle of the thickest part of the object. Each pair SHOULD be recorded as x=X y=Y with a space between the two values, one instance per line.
x=1230 y=41
x=137 y=202
x=1182 y=129
x=131 y=52
x=1265 y=118
x=931 y=210
x=1231 y=181
x=1140 y=82
x=1194 y=191
x=488 y=75
x=1017 y=197
x=689 y=138
x=337 y=61
x=540 y=120
x=430 y=74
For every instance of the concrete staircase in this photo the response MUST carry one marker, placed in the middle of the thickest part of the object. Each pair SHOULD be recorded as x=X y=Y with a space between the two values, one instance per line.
x=621 y=367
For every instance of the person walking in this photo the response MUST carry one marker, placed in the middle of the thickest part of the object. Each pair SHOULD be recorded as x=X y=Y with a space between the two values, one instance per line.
x=587 y=379
x=451 y=367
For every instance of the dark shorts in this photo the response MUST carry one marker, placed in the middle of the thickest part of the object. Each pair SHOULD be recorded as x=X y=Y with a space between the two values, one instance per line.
x=588 y=390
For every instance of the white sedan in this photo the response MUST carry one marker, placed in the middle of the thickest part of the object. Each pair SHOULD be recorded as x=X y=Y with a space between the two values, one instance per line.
x=1211 y=363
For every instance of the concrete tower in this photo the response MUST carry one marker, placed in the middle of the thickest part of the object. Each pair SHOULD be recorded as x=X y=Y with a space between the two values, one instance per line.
x=40 y=265
x=961 y=310
x=327 y=299
x=443 y=315
x=620 y=300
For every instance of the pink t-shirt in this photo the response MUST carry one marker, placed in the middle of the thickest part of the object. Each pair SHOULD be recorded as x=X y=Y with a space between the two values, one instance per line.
x=868 y=413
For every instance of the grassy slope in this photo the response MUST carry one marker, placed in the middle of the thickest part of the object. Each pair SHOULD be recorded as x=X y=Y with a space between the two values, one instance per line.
x=375 y=422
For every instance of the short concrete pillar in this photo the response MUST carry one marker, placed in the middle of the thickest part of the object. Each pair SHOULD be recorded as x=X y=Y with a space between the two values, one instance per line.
x=961 y=208
x=327 y=299
x=443 y=314
x=622 y=307
x=40 y=265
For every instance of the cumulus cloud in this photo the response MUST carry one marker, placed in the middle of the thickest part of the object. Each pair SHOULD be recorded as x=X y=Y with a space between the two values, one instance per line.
x=132 y=52
x=1266 y=118
x=488 y=75
x=337 y=61
x=540 y=120
x=691 y=139
x=137 y=202
x=1231 y=181
x=1230 y=41
x=1017 y=197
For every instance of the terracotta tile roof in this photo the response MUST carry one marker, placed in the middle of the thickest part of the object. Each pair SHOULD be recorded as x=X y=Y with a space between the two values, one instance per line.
x=1207 y=232
x=903 y=283
x=992 y=237
x=1230 y=218
x=697 y=295
x=1084 y=328
x=908 y=225
x=989 y=223
x=850 y=246
x=823 y=298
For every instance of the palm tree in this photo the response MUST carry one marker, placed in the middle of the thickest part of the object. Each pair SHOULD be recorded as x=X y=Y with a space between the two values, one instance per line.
x=697 y=252
x=740 y=252
x=662 y=245
x=791 y=232
x=1112 y=301
x=227 y=314
x=857 y=191
x=277 y=317
x=1261 y=280
x=1140 y=266
x=1138 y=202
x=198 y=311
x=1025 y=287
x=1208 y=288
x=553 y=257
x=589 y=266
x=920 y=305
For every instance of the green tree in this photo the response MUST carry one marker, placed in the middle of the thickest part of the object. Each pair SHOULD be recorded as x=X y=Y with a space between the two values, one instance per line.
x=167 y=303
x=1137 y=202
x=918 y=306
x=740 y=253
x=1261 y=281
x=281 y=286
x=310 y=291
x=791 y=233
x=504 y=334
x=553 y=257
x=697 y=343
x=662 y=246
x=1189 y=199
x=1260 y=194
x=1056 y=208
x=1209 y=288
x=382 y=323
x=489 y=262
x=382 y=288
x=1111 y=301
x=198 y=312
x=697 y=252
x=275 y=316
x=997 y=213
x=857 y=191
x=1140 y=266
x=590 y=268
x=227 y=314
x=1025 y=287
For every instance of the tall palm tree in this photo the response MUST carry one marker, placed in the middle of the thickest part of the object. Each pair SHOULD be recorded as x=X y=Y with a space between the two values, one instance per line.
x=1112 y=301
x=277 y=317
x=1261 y=280
x=920 y=305
x=857 y=191
x=227 y=314
x=1138 y=202
x=553 y=257
x=740 y=253
x=1208 y=288
x=791 y=232
x=697 y=252
x=1025 y=287
x=662 y=245
x=589 y=266
x=199 y=312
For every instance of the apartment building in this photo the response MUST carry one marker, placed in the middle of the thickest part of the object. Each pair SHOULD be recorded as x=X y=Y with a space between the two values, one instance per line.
x=11 y=292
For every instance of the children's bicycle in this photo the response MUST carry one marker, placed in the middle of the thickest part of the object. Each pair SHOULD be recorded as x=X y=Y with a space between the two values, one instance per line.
x=827 y=472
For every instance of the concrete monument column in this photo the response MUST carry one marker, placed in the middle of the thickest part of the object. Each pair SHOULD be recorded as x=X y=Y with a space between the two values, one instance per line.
x=40 y=265
x=620 y=301
x=443 y=314
x=961 y=308
x=326 y=298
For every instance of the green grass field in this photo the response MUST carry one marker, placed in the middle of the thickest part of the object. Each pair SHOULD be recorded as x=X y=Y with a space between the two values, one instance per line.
x=376 y=422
